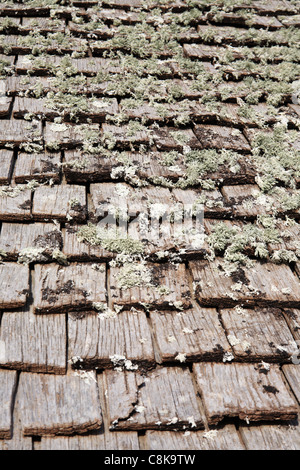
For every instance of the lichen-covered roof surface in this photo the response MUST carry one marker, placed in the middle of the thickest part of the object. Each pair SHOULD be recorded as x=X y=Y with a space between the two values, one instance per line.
x=149 y=210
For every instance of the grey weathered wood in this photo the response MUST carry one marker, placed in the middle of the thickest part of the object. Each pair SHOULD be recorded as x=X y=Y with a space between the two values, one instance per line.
x=292 y=317
x=205 y=52
x=262 y=285
x=95 y=340
x=66 y=135
x=16 y=441
x=73 y=287
x=221 y=137
x=244 y=390
x=226 y=438
x=42 y=347
x=5 y=101
x=15 y=237
x=14 y=281
x=18 y=132
x=172 y=279
x=271 y=437
x=61 y=202
x=165 y=399
x=6 y=165
x=168 y=138
x=58 y=404
x=83 y=168
x=292 y=374
x=97 y=441
x=43 y=25
x=8 y=383
x=82 y=251
x=197 y=333
x=213 y=205
x=15 y=204
x=258 y=334
x=17 y=45
x=39 y=167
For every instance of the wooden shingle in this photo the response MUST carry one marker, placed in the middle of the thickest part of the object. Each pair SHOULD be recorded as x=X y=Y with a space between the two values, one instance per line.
x=61 y=202
x=39 y=167
x=6 y=165
x=15 y=204
x=262 y=285
x=271 y=437
x=165 y=399
x=8 y=383
x=58 y=404
x=17 y=132
x=96 y=441
x=218 y=137
x=96 y=339
x=14 y=281
x=159 y=286
x=73 y=287
x=43 y=344
x=243 y=390
x=292 y=374
x=196 y=333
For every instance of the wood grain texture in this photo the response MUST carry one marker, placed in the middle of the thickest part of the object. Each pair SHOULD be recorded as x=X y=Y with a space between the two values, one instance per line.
x=66 y=135
x=33 y=342
x=18 y=132
x=165 y=399
x=16 y=441
x=292 y=317
x=172 y=279
x=258 y=334
x=58 y=405
x=8 y=382
x=100 y=441
x=96 y=339
x=16 y=237
x=15 y=206
x=82 y=251
x=262 y=285
x=14 y=281
x=221 y=137
x=63 y=202
x=40 y=167
x=292 y=374
x=73 y=287
x=271 y=437
x=6 y=165
x=226 y=438
x=197 y=333
x=244 y=390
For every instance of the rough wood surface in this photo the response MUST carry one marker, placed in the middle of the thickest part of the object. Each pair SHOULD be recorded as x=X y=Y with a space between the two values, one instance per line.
x=221 y=137
x=16 y=237
x=80 y=168
x=222 y=439
x=244 y=390
x=97 y=441
x=8 y=382
x=96 y=339
x=172 y=279
x=73 y=287
x=61 y=202
x=271 y=437
x=14 y=204
x=58 y=404
x=14 y=281
x=292 y=317
x=39 y=167
x=258 y=334
x=292 y=374
x=82 y=251
x=65 y=136
x=166 y=399
x=196 y=333
x=6 y=165
x=262 y=285
x=33 y=342
x=18 y=132
x=16 y=441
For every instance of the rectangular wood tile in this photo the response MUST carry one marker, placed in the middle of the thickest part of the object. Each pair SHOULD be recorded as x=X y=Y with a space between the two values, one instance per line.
x=39 y=167
x=226 y=438
x=73 y=287
x=245 y=391
x=292 y=317
x=16 y=440
x=158 y=286
x=292 y=374
x=265 y=285
x=96 y=441
x=219 y=137
x=165 y=399
x=64 y=136
x=258 y=334
x=95 y=339
x=61 y=202
x=81 y=168
x=18 y=132
x=58 y=404
x=271 y=437
x=82 y=251
x=196 y=333
x=8 y=383
x=14 y=281
x=43 y=344
x=6 y=165
x=16 y=237
x=15 y=204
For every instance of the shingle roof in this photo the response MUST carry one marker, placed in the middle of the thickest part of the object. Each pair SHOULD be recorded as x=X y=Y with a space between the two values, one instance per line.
x=149 y=211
